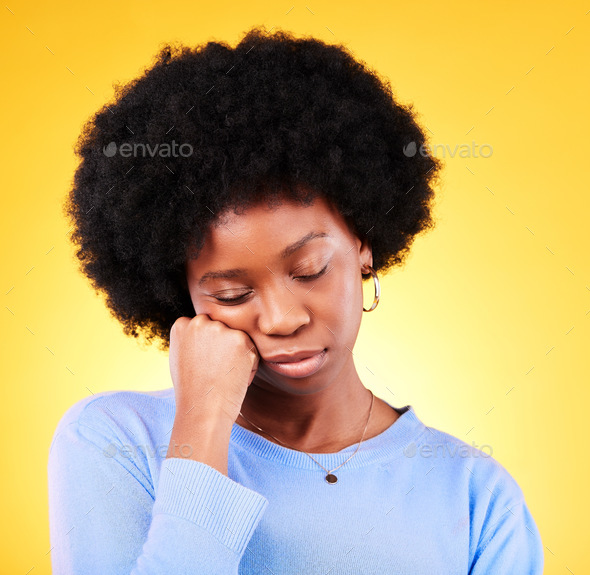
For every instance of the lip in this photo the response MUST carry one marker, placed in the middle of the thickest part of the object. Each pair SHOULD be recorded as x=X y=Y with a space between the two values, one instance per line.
x=292 y=357
x=302 y=368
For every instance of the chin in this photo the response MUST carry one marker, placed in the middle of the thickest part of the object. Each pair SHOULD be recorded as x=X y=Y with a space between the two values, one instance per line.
x=290 y=386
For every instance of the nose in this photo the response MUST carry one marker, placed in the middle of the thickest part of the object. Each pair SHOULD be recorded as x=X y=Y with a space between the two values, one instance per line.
x=282 y=312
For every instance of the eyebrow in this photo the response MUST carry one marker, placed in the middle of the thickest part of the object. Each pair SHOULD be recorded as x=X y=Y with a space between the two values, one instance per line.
x=289 y=250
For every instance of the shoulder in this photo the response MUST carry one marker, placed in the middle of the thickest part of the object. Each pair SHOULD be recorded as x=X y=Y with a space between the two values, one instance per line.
x=119 y=413
x=490 y=503
x=474 y=467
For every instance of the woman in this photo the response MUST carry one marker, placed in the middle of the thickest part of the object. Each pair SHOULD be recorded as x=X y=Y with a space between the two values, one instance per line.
x=230 y=203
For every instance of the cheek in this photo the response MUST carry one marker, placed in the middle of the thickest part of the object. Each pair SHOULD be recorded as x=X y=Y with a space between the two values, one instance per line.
x=341 y=301
x=235 y=317
x=347 y=289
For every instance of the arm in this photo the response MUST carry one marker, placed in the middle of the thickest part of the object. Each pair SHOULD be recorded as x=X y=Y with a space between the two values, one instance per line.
x=510 y=543
x=105 y=517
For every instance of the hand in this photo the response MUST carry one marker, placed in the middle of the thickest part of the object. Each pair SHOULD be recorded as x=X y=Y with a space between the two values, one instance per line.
x=211 y=366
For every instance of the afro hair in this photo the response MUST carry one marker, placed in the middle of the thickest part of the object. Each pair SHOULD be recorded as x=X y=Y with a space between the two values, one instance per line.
x=212 y=128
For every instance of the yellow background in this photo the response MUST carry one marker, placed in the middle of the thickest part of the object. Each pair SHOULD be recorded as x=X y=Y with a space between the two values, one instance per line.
x=485 y=331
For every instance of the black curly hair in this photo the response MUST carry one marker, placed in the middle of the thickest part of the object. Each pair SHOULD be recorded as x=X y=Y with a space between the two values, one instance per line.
x=275 y=117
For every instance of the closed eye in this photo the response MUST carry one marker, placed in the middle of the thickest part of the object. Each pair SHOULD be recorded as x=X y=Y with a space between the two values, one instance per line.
x=304 y=278
x=314 y=276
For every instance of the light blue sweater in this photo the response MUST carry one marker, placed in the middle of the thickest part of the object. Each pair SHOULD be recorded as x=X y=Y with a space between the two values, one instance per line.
x=412 y=501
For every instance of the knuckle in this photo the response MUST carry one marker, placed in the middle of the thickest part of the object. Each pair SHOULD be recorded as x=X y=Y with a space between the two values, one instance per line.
x=180 y=321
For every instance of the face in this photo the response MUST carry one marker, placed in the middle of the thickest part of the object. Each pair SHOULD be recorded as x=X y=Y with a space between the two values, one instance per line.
x=290 y=277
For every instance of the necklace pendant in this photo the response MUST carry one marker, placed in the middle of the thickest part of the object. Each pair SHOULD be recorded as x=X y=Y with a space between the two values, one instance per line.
x=331 y=478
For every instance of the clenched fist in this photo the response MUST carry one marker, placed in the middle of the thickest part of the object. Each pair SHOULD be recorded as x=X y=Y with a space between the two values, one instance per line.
x=211 y=366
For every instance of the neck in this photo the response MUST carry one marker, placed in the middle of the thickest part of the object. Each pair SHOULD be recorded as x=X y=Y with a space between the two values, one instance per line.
x=324 y=422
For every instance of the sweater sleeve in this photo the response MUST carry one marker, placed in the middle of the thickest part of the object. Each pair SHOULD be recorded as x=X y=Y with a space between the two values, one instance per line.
x=510 y=543
x=105 y=516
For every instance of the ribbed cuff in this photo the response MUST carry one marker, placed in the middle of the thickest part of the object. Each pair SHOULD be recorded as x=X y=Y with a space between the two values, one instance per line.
x=199 y=493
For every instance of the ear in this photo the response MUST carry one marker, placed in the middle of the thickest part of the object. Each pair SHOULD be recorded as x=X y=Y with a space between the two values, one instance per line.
x=366 y=254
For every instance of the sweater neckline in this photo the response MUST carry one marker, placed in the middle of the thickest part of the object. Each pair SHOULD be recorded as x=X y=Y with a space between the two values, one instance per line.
x=388 y=444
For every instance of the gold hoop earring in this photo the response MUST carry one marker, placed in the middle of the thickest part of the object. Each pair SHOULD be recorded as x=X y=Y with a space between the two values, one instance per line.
x=377 y=289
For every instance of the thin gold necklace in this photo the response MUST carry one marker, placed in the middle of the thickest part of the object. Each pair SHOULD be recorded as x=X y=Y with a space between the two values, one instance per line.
x=330 y=477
